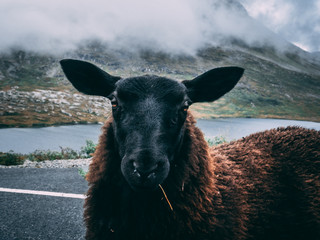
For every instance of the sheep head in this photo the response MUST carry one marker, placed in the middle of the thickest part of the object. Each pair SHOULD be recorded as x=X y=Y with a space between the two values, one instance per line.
x=149 y=114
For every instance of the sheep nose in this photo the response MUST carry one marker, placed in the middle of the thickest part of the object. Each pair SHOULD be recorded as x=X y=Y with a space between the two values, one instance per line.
x=144 y=172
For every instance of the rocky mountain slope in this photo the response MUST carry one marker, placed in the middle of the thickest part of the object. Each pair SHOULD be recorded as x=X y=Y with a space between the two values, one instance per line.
x=276 y=84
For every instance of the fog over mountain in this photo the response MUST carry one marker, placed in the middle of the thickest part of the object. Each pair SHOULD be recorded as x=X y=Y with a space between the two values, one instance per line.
x=173 y=26
x=295 y=20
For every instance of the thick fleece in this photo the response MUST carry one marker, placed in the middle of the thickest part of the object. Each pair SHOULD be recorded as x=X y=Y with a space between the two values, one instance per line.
x=264 y=186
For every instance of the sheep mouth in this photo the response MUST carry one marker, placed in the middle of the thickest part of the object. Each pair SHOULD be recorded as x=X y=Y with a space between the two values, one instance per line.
x=145 y=184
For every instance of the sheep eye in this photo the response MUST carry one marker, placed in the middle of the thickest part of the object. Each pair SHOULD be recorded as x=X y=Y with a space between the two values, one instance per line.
x=185 y=106
x=114 y=102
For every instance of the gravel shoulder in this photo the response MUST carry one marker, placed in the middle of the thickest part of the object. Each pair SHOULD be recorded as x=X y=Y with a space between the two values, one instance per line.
x=72 y=163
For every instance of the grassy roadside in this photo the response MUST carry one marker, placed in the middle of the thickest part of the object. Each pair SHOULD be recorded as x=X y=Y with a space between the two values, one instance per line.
x=11 y=158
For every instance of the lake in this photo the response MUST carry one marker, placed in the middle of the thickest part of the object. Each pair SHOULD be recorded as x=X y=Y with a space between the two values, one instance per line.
x=26 y=140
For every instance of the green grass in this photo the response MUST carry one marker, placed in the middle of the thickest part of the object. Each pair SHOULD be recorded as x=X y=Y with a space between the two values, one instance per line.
x=267 y=90
x=82 y=173
x=216 y=141
x=11 y=158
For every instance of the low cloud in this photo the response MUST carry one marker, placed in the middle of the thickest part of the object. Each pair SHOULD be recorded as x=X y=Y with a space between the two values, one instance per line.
x=179 y=26
x=297 y=21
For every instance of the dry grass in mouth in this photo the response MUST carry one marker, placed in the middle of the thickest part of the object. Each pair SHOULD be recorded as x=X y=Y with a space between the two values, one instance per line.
x=165 y=195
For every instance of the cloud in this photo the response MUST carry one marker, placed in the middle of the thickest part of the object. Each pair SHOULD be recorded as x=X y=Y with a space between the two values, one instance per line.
x=274 y=13
x=298 y=21
x=179 y=26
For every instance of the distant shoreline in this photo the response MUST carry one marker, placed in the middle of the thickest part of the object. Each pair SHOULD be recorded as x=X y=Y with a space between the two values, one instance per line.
x=42 y=125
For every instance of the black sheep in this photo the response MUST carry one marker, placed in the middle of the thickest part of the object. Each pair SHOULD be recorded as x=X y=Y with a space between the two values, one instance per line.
x=153 y=175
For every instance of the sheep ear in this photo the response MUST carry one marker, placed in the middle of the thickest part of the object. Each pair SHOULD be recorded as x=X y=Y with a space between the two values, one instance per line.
x=88 y=78
x=213 y=84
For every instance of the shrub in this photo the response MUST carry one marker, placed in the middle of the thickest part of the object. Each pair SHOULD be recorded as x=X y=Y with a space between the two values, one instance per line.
x=11 y=158
x=42 y=155
x=68 y=153
x=89 y=149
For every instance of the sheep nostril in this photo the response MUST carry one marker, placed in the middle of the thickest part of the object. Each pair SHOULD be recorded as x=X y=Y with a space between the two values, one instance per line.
x=152 y=175
x=143 y=172
x=135 y=171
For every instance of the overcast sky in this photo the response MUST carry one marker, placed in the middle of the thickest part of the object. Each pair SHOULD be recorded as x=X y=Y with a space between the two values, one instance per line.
x=297 y=21
x=171 y=25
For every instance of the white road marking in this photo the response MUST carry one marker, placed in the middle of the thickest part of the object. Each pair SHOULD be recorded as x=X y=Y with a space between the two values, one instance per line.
x=44 y=193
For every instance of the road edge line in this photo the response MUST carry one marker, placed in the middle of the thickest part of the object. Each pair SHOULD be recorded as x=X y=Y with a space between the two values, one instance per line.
x=43 y=193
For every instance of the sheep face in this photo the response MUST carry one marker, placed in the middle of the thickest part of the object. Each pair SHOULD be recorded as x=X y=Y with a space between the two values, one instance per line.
x=149 y=114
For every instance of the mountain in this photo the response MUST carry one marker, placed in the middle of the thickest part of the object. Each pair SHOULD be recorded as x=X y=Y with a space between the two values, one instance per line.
x=34 y=91
x=280 y=80
x=316 y=55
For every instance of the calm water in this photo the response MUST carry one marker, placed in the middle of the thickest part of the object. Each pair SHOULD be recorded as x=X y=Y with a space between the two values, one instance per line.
x=26 y=140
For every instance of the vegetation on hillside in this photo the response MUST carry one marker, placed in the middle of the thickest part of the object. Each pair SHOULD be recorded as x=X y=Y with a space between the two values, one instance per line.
x=275 y=84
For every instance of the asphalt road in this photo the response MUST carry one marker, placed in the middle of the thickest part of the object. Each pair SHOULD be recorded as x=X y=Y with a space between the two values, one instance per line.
x=30 y=216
